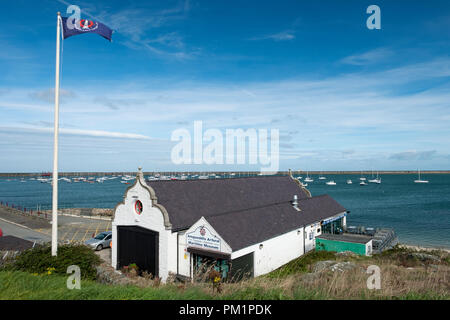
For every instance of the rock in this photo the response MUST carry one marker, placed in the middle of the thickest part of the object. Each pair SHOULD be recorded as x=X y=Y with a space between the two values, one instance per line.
x=343 y=266
x=346 y=254
x=425 y=257
x=334 y=266
x=323 y=265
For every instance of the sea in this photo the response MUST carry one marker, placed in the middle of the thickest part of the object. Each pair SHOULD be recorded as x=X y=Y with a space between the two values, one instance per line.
x=419 y=213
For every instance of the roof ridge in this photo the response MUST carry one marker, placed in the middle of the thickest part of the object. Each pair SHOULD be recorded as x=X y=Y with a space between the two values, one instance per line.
x=214 y=179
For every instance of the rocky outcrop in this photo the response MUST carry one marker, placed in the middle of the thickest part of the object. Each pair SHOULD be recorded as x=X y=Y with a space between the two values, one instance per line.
x=424 y=257
x=334 y=266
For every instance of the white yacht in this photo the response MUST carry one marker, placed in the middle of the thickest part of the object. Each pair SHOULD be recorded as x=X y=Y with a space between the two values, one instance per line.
x=322 y=177
x=362 y=178
x=349 y=181
x=363 y=183
x=377 y=180
x=420 y=180
x=308 y=179
x=331 y=183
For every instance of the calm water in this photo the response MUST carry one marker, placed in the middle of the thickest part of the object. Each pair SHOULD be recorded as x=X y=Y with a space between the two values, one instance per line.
x=419 y=213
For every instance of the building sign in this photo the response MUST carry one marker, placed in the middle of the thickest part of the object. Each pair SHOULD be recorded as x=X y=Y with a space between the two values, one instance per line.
x=203 y=238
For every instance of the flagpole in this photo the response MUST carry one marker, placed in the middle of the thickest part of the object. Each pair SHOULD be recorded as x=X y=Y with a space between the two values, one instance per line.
x=55 y=145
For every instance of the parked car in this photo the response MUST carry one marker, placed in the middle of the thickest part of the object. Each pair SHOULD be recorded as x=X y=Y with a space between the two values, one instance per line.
x=100 y=241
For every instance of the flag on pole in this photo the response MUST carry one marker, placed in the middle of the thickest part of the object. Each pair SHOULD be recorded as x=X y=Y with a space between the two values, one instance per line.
x=72 y=28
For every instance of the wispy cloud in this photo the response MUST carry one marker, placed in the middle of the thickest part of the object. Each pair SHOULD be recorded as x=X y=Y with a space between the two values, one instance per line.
x=369 y=57
x=140 y=28
x=414 y=155
x=48 y=95
x=352 y=118
x=280 y=36
x=77 y=132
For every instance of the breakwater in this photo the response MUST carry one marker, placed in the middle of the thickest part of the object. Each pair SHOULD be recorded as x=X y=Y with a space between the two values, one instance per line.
x=221 y=173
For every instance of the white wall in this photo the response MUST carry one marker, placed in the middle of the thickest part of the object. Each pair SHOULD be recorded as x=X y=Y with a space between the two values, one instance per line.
x=369 y=248
x=311 y=232
x=184 y=257
x=275 y=252
x=151 y=218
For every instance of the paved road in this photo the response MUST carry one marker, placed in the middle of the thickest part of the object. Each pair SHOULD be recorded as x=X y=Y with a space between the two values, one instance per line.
x=70 y=229
x=10 y=229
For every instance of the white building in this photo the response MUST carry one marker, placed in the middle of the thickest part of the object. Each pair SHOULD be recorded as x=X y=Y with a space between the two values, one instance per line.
x=242 y=226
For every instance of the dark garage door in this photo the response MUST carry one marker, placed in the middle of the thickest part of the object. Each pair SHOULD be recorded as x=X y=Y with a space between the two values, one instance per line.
x=140 y=246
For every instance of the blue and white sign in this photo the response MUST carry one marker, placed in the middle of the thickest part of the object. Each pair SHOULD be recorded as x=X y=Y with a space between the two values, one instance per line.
x=326 y=221
x=201 y=237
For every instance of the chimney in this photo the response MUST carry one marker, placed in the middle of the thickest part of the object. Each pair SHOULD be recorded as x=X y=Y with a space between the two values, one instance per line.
x=295 y=203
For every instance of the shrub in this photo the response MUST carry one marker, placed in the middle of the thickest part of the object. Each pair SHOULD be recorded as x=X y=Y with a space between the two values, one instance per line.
x=40 y=260
x=302 y=263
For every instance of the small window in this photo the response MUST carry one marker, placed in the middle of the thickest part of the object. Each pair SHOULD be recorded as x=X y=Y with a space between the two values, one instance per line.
x=318 y=230
x=138 y=207
x=108 y=237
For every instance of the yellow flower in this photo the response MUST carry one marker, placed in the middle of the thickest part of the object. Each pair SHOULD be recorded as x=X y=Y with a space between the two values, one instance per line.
x=217 y=279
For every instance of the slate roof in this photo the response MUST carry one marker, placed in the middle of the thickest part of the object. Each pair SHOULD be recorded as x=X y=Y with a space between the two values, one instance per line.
x=244 y=211
x=241 y=229
x=188 y=200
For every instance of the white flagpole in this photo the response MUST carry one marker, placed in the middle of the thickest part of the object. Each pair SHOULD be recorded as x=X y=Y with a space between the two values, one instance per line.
x=55 y=145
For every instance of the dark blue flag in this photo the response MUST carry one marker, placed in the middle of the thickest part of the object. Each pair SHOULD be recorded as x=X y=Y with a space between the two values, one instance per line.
x=71 y=28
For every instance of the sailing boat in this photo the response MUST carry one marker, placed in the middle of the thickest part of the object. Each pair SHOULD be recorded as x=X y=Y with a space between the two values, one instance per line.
x=321 y=176
x=308 y=179
x=377 y=180
x=420 y=180
x=362 y=178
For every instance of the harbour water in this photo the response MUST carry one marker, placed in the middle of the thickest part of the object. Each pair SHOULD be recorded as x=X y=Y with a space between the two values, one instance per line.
x=419 y=213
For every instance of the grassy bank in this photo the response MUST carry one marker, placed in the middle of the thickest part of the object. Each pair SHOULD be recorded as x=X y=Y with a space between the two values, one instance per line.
x=403 y=276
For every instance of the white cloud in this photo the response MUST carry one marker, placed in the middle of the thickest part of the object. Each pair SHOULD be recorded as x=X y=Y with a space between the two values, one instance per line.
x=281 y=36
x=369 y=57
x=80 y=132
x=375 y=115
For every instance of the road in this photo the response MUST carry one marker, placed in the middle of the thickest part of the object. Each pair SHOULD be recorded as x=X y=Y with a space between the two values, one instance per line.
x=70 y=229
x=10 y=229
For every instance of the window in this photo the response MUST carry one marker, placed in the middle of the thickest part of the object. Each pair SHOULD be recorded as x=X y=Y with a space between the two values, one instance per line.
x=100 y=236
x=318 y=230
x=138 y=207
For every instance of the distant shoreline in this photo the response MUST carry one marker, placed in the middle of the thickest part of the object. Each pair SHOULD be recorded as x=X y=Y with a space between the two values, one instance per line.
x=296 y=172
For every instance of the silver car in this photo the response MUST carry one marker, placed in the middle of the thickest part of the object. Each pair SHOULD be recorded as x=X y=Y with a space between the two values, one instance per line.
x=100 y=241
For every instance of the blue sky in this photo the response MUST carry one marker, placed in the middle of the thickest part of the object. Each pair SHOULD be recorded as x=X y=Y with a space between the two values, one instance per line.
x=342 y=96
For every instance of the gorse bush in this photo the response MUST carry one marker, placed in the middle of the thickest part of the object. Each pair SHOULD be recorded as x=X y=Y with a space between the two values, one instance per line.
x=40 y=260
